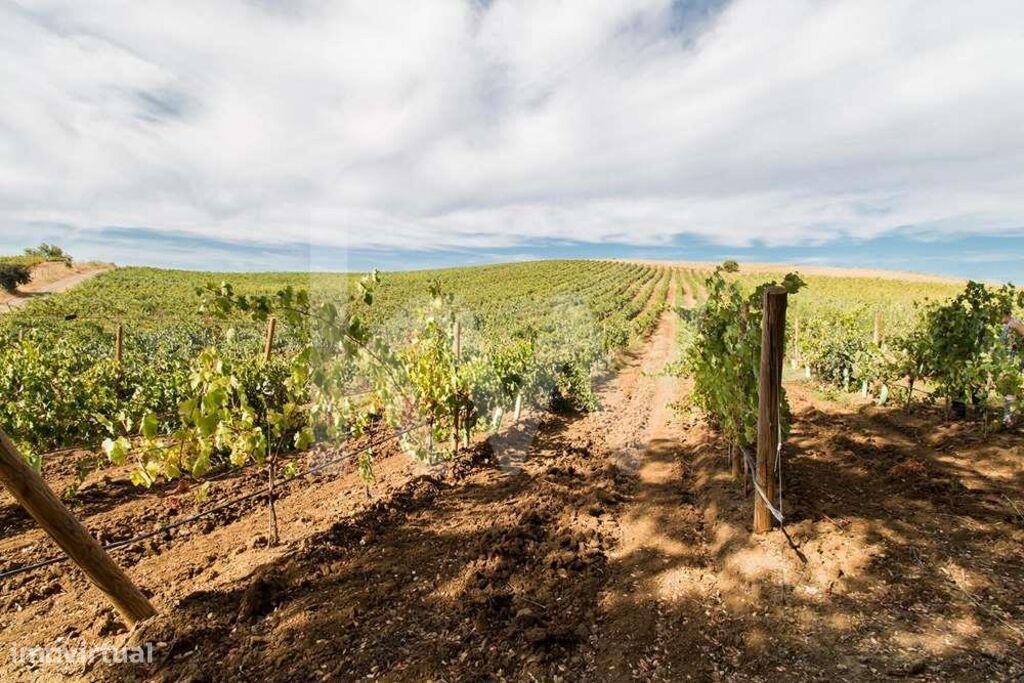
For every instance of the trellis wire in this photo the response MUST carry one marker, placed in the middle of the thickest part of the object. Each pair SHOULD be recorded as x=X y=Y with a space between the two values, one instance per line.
x=117 y=545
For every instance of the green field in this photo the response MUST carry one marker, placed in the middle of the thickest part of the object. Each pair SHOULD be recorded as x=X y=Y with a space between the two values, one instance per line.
x=58 y=352
x=897 y=300
x=567 y=317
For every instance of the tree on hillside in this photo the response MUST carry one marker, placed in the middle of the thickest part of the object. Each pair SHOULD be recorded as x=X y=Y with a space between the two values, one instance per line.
x=50 y=252
x=12 y=275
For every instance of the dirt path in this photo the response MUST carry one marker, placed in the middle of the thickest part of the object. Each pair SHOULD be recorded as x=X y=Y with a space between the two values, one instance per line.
x=500 y=567
x=50 y=278
x=659 y=554
x=689 y=296
x=503 y=572
x=911 y=536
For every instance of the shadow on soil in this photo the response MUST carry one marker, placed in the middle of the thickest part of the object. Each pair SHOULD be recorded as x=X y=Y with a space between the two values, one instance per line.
x=488 y=571
x=913 y=571
x=912 y=543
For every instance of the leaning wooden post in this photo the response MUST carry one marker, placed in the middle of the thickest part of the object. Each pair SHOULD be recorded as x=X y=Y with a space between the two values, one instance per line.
x=119 y=344
x=268 y=346
x=773 y=341
x=29 y=489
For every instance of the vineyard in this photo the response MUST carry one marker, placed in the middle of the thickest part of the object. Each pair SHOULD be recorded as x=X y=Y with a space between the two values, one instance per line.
x=566 y=318
x=539 y=470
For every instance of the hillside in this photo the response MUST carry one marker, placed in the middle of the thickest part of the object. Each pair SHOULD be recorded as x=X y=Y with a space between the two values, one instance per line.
x=599 y=537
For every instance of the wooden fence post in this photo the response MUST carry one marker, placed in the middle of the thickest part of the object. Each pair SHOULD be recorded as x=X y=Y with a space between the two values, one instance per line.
x=29 y=489
x=119 y=344
x=268 y=346
x=877 y=336
x=773 y=340
x=736 y=458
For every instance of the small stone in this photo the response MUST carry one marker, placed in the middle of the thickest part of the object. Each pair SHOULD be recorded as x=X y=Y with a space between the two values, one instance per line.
x=108 y=625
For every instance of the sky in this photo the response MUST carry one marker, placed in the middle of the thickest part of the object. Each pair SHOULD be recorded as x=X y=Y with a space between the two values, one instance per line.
x=259 y=135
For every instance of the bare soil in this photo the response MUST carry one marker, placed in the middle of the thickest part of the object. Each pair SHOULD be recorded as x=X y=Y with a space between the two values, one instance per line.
x=606 y=546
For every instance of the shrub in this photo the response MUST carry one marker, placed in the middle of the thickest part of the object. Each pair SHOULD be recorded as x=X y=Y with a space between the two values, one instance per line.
x=12 y=275
x=50 y=252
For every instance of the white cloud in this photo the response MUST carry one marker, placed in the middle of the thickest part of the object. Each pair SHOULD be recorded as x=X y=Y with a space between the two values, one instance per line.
x=480 y=125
